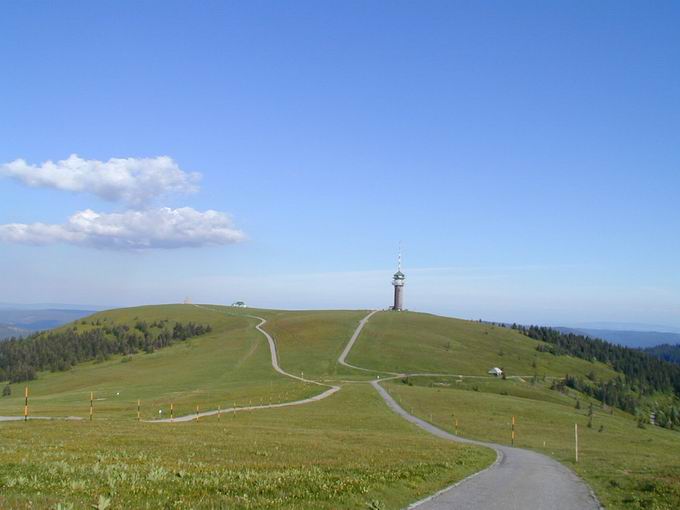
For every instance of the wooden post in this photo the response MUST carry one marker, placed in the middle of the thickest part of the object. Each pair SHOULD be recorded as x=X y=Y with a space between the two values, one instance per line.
x=26 y=403
x=512 y=439
x=219 y=411
x=138 y=406
x=197 y=412
x=172 y=412
x=576 y=441
x=91 y=404
x=234 y=409
x=456 y=426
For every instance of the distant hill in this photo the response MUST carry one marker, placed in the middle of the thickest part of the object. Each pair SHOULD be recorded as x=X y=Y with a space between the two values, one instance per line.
x=21 y=322
x=7 y=331
x=665 y=352
x=628 y=338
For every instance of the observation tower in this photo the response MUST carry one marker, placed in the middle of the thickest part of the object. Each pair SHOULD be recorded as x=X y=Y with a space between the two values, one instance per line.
x=398 y=282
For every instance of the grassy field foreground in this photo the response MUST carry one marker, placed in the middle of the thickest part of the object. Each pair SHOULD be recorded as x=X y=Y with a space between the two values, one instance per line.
x=346 y=452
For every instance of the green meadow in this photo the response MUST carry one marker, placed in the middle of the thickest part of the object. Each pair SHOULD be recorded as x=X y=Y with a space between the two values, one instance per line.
x=346 y=451
x=419 y=342
x=230 y=365
x=336 y=453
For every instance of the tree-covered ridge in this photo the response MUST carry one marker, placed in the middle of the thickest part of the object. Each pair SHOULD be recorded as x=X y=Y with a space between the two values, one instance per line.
x=644 y=373
x=666 y=352
x=22 y=358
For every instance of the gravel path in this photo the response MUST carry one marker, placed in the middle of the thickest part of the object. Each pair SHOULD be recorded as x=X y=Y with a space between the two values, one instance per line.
x=518 y=479
x=275 y=365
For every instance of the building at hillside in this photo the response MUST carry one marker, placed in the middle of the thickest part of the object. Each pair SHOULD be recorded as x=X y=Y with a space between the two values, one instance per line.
x=398 y=283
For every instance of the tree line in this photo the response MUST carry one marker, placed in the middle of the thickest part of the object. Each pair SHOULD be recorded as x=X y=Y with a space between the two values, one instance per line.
x=666 y=352
x=22 y=358
x=641 y=376
x=643 y=373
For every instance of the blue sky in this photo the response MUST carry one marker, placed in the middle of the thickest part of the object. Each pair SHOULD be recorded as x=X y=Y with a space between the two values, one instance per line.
x=525 y=153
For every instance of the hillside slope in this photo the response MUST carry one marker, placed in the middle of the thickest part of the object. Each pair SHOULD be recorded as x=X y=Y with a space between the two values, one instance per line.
x=230 y=364
x=418 y=342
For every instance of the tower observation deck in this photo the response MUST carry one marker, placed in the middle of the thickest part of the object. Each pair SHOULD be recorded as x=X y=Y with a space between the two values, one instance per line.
x=398 y=283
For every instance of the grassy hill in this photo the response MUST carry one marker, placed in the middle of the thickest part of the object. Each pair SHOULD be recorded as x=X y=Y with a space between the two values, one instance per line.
x=418 y=342
x=333 y=454
x=231 y=364
x=336 y=453
x=311 y=341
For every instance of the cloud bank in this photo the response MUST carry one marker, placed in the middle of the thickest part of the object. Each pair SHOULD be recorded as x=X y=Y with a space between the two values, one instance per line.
x=133 y=181
x=163 y=228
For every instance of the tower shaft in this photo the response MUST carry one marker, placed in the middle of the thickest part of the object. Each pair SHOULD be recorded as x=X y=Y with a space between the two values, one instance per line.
x=398 y=298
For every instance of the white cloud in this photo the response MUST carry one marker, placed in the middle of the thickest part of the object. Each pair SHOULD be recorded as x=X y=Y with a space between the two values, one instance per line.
x=134 y=230
x=134 y=181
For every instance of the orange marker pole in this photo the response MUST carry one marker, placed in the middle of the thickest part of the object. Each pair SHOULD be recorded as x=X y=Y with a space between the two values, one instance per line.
x=197 y=413
x=512 y=440
x=456 y=426
x=219 y=411
x=138 y=406
x=91 y=404
x=26 y=403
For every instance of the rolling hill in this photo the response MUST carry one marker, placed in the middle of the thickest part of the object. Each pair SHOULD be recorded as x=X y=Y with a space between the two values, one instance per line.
x=335 y=453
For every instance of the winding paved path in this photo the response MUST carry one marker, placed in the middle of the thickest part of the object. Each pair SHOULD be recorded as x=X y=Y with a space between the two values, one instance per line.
x=275 y=365
x=518 y=480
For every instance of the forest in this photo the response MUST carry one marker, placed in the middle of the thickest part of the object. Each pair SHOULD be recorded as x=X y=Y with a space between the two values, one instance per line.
x=642 y=375
x=22 y=358
x=666 y=352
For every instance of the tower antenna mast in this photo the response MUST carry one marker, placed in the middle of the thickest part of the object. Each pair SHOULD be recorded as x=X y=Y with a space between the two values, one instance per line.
x=399 y=258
